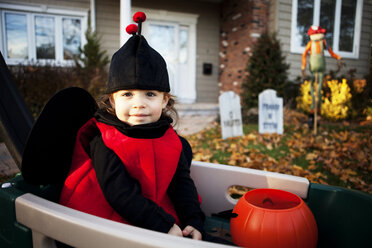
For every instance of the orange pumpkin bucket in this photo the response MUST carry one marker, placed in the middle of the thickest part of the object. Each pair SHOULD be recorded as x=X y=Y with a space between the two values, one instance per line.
x=273 y=218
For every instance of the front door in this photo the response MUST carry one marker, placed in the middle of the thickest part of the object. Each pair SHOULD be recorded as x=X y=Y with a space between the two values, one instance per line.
x=172 y=41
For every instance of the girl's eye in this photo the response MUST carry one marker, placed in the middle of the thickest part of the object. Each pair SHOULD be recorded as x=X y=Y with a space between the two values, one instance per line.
x=150 y=94
x=126 y=94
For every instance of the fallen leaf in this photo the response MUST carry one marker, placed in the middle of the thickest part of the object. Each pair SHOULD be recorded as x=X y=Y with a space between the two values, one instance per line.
x=311 y=156
x=350 y=172
x=269 y=146
x=297 y=167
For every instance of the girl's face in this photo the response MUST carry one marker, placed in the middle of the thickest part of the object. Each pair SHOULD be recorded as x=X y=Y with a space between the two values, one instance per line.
x=136 y=107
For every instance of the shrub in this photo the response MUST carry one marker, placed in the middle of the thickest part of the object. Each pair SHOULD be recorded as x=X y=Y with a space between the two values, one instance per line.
x=335 y=104
x=266 y=69
x=336 y=107
x=304 y=100
x=38 y=83
x=361 y=89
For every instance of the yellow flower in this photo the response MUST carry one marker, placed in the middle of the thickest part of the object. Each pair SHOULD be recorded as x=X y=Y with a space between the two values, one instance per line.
x=333 y=107
x=305 y=100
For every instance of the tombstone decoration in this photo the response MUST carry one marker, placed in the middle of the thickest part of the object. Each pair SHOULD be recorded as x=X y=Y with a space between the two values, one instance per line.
x=270 y=112
x=231 y=116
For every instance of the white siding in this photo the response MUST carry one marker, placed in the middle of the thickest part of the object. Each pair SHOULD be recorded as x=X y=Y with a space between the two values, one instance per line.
x=108 y=25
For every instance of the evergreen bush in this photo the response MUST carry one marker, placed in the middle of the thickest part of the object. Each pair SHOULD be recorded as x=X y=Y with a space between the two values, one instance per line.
x=91 y=55
x=91 y=64
x=266 y=70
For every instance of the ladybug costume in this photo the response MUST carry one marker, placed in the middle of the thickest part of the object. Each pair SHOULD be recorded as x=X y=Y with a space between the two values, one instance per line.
x=132 y=174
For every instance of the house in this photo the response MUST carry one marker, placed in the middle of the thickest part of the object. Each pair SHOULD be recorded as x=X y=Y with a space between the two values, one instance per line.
x=206 y=43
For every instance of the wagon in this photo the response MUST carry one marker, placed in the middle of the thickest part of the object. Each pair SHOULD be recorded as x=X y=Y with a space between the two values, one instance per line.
x=31 y=217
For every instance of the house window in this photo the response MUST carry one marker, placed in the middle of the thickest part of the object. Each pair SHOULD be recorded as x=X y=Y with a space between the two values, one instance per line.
x=41 y=35
x=16 y=36
x=45 y=37
x=71 y=37
x=341 y=19
x=184 y=38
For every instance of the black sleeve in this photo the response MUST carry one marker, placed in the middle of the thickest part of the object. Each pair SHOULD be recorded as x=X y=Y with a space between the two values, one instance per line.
x=123 y=192
x=187 y=150
x=184 y=196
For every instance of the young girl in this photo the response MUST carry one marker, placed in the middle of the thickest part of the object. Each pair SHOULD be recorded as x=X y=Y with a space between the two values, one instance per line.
x=129 y=165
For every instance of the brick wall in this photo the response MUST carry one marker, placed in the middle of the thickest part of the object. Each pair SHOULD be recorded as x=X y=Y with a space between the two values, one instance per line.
x=242 y=22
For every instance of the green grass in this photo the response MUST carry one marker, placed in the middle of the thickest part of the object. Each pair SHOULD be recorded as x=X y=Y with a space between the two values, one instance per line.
x=248 y=128
x=301 y=161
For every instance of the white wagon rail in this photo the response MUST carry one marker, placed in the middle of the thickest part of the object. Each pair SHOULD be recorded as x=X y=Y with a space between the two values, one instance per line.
x=50 y=221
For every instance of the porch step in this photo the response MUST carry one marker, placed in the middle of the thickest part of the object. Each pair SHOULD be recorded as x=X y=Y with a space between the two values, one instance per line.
x=195 y=117
x=199 y=109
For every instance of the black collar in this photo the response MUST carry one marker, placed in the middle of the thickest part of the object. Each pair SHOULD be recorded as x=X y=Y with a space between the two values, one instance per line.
x=143 y=131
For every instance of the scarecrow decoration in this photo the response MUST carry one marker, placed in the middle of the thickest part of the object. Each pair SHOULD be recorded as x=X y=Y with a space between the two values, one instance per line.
x=316 y=47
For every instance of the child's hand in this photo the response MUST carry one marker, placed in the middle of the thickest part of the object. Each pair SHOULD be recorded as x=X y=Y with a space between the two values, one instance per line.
x=191 y=231
x=175 y=230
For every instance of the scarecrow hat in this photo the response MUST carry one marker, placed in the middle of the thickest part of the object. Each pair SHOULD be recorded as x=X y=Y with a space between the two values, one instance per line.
x=314 y=29
x=136 y=65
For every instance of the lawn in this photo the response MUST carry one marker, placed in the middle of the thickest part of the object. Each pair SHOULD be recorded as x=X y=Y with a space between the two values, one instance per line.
x=340 y=154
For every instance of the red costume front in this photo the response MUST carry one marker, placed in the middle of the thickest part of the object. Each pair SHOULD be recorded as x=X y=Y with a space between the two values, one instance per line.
x=152 y=162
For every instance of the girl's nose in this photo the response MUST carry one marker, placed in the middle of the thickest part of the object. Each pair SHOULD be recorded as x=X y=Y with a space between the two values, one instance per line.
x=138 y=102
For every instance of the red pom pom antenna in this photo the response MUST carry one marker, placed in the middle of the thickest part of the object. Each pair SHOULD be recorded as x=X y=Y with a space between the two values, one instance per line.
x=131 y=29
x=139 y=17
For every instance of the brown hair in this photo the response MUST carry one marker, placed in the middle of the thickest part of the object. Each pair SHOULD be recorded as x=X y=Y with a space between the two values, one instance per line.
x=168 y=111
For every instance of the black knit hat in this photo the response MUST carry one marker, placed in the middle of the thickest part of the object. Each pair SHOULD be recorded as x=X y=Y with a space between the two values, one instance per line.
x=136 y=65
